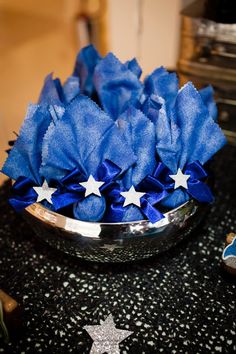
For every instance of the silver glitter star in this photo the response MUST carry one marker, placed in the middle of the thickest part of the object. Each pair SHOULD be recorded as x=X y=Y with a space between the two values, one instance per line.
x=110 y=247
x=132 y=197
x=44 y=192
x=180 y=179
x=106 y=337
x=92 y=186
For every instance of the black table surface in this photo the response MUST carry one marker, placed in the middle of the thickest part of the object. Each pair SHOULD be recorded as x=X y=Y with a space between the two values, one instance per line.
x=179 y=302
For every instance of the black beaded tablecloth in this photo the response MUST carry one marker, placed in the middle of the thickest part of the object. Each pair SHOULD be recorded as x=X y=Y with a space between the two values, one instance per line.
x=179 y=302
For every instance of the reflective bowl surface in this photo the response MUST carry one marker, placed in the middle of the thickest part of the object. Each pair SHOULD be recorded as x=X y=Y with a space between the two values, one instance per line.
x=114 y=242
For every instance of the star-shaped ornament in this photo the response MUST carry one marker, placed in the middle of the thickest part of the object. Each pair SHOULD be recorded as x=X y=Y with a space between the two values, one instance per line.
x=92 y=186
x=132 y=197
x=44 y=192
x=106 y=337
x=180 y=179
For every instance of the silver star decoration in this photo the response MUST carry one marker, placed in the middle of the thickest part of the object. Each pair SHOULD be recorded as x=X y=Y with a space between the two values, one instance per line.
x=110 y=247
x=44 y=192
x=180 y=179
x=92 y=186
x=132 y=197
x=106 y=337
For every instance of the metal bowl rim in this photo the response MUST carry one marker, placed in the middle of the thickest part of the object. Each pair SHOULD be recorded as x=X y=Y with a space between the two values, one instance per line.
x=30 y=210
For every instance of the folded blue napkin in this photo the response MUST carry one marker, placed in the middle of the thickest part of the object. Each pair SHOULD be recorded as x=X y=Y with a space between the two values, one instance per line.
x=25 y=157
x=117 y=86
x=86 y=61
x=54 y=93
x=188 y=134
x=83 y=138
x=163 y=84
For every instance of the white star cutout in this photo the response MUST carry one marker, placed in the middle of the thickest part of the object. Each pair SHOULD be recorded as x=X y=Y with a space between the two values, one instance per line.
x=180 y=179
x=44 y=192
x=132 y=197
x=92 y=186
x=106 y=337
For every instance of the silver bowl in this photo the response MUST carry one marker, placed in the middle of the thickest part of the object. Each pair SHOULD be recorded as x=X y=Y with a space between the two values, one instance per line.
x=114 y=242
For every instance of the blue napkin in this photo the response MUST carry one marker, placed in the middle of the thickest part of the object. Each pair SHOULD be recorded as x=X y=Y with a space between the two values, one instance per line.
x=163 y=84
x=83 y=138
x=117 y=86
x=71 y=89
x=139 y=132
x=25 y=157
x=196 y=137
x=134 y=66
x=207 y=95
x=53 y=93
x=86 y=61
x=201 y=137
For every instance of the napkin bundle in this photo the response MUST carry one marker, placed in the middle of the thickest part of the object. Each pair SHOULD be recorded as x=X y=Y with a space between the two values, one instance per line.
x=106 y=146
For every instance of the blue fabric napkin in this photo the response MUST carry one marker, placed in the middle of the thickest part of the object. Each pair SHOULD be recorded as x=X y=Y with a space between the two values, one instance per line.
x=134 y=66
x=195 y=137
x=163 y=84
x=117 y=86
x=83 y=138
x=139 y=132
x=86 y=61
x=53 y=93
x=207 y=95
x=25 y=157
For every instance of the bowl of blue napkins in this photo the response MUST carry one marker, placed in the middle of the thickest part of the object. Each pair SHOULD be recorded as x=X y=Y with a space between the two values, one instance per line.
x=107 y=159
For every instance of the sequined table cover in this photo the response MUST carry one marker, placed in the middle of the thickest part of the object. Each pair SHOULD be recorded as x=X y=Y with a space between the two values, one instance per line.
x=179 y=302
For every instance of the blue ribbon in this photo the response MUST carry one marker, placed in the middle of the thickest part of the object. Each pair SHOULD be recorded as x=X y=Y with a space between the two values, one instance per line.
x=70 y=191
x=23 y=194
x=116 y=211
x=156 y=186
x=197 y=188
